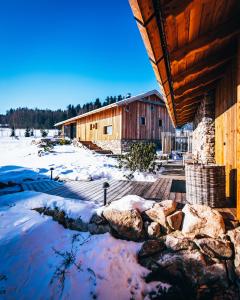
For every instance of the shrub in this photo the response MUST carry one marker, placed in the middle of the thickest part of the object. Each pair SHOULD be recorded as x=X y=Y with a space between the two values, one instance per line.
x=12 y=132
x=64 y=142
x=32 y=132
x=27 y=132
x=44 y=132
x=141 y=158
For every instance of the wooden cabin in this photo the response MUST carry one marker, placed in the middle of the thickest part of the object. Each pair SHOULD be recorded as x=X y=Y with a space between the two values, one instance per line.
x=116 y=126
x=194 y=49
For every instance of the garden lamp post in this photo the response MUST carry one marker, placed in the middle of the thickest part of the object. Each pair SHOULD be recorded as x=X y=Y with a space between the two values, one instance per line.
x=51 y=169
x=105 y=187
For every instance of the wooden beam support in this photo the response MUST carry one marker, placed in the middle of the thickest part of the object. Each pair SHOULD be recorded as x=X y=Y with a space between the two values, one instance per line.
x=220 y=34
x=187 y=105
x=206 y=65
x=199 y=91
x=200 y=82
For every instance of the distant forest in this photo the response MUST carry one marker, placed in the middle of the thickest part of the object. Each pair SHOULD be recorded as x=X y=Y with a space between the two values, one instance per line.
x=24 y=117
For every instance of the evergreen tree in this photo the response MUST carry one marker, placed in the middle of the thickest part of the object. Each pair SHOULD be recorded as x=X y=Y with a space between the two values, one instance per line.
x=119 y=97
x=27 y=132
x=12 y=132
x=32 y=132
x=97 y=103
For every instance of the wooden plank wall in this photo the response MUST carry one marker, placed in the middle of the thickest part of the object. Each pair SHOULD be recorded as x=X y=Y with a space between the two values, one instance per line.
x=131 y=127
x=238 y=129
x=226 y=127
x=107 y=117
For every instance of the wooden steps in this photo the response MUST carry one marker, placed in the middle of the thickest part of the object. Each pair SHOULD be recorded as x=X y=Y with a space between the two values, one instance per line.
x=91 y=146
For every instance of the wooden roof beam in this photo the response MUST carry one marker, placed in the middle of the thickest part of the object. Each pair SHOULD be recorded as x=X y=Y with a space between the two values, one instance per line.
x=219 y=34
x=187 y=118
x=188 y=102
x=200 y=82
x=199 y=91
x=206 y=65
x=174 y=7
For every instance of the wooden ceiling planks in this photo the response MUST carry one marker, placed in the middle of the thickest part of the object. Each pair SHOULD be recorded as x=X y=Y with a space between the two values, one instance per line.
x=195 y=38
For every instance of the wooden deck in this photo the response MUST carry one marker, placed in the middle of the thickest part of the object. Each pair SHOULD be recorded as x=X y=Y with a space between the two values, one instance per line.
x=93 y=191
x=163 y=188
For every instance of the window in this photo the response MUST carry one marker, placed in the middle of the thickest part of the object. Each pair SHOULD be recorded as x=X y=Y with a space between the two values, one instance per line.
x=95 y=125
x=127 y=108
x=91 y=127
x=160 y=122
x=142 y=120
x=152 y=108
x=107 y=129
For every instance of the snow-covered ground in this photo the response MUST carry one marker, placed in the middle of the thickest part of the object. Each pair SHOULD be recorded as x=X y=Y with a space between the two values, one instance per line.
x=39 y=259
x=19 y=161
x=6 y=132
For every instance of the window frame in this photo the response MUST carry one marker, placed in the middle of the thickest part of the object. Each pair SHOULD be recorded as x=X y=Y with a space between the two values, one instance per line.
x=143 y=121
x=105 y=129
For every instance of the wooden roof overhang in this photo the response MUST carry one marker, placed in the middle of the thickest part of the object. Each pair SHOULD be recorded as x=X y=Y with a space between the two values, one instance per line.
x=189 y=43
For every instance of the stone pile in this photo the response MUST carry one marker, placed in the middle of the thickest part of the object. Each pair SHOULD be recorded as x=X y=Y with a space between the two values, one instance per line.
x=190 y=249
x=203 y=138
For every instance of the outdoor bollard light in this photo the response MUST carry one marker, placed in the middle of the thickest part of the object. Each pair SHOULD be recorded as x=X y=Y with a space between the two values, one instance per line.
x=51 y=169
x=105 y=187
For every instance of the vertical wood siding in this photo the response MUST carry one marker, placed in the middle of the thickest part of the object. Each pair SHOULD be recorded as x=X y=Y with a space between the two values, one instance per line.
x=226 y=127
x=238 y=129
x=131 y=114
x=104 y=118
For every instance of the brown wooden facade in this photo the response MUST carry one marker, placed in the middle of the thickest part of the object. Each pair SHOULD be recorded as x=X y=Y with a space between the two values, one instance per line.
x=143 y=117
x=194 y=48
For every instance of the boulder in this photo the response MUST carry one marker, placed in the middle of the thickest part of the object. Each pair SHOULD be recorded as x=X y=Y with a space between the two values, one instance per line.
x=202 y=220
x=176 y=241
x=151 y=247
x=98 y=225
x=235 y=239
x=127 y=224
x=215 y=248
x=154 y=230
x=160 y=211
x=186 y=270
x=175 y=220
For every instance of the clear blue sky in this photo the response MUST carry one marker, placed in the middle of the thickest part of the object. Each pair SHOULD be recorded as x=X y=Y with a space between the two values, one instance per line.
x=59 y=52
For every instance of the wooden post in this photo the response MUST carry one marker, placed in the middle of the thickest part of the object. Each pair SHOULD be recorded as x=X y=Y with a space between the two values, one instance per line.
x=238 y=129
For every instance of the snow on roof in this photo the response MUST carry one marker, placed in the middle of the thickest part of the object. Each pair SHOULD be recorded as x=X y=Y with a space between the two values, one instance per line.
x=119 y=103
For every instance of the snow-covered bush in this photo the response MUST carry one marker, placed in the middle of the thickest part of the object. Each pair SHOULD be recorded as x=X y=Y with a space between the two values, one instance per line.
x=141 y=157
x=44 y=132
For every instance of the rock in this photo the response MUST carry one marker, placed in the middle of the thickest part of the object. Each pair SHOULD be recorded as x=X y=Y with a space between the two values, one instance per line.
x=98 y=225
x=202 y=220
x=127 y=224
x=76 y=224
x=154 y=230
x=98 y=229
x=186 y=269
x=214 y=292
x=61 y=218
x=160 y=211
x=176 y=241
x=215 y=248
x=151 y=247
x=175 y=220
x=235 y=239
